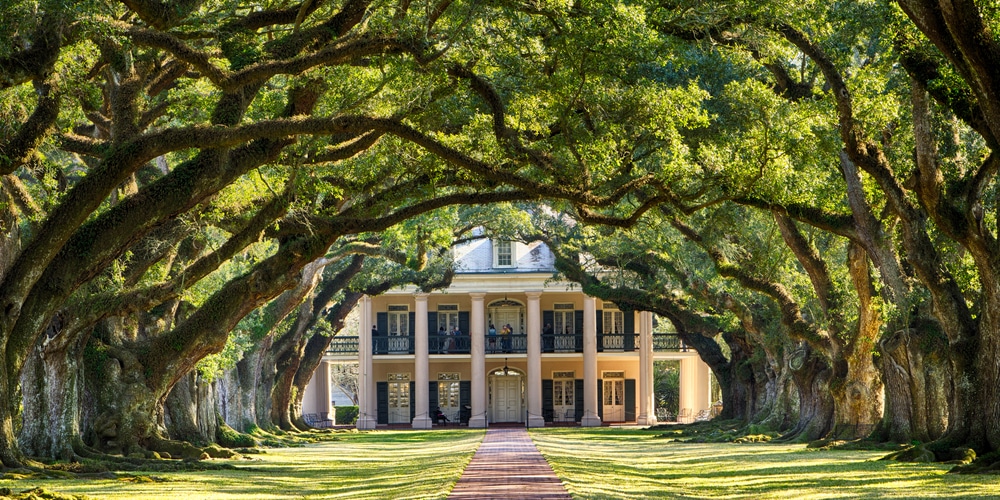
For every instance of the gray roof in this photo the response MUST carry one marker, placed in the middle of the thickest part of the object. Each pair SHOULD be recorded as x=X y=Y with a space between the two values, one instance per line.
x=477 y=257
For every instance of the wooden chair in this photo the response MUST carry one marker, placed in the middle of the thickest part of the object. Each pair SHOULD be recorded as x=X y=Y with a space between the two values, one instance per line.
x=684 y=416
x=664 y=415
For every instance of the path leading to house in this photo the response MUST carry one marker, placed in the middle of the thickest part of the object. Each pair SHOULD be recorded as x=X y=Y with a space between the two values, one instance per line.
x=508 y=465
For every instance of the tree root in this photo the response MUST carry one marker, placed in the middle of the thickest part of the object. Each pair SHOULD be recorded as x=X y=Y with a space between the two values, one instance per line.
x=986 y=464
x=188 y=451
x=36 y=493
x=964 y=458
x=231 y=438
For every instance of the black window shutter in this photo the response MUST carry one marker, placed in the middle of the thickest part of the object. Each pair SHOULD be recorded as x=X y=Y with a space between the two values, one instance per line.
x=630 y=400
x=548 y=318
x=413 y=332
x=382 y=322
x=432 y=397
x=578 y=320
x=578 y=399
x=432 y=323
x=629 y=318
x=413 y=408
x=547 y=403
x=600 y=399
x=600 y=330
x=629 y=321
x=463 y=322
x=382 y=398
x=464 y=399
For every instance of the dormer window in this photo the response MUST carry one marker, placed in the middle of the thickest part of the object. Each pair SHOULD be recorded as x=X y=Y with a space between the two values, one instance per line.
x=503 y=253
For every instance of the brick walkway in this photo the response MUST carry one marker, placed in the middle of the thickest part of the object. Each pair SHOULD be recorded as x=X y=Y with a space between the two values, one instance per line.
x=508 y=465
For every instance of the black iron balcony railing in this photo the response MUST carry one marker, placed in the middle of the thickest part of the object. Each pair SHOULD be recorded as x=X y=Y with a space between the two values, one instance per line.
x=504 y=344
x=343 y=345
x=514 y=343
x=562 y=342
x=668 y=342
x=448 y=344
x=617 y=342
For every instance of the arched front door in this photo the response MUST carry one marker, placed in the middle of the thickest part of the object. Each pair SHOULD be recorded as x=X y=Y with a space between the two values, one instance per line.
x=506 y=396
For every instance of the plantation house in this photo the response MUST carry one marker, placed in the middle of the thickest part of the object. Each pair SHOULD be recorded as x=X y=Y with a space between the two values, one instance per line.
x=565 y=357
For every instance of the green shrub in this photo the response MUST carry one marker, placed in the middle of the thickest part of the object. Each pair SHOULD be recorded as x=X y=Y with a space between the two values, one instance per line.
x=347 y=415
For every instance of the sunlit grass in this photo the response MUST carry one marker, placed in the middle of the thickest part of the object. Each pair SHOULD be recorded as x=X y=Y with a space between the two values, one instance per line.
x=385 y=464
x=630 y=463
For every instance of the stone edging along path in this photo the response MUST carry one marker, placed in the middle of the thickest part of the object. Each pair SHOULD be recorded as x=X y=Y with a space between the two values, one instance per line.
x=508 y=465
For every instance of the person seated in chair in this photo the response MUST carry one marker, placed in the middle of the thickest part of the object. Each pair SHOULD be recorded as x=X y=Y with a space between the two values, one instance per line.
x=439 y=416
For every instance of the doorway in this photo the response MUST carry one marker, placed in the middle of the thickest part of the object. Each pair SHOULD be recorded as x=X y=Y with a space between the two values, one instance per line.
x=507 y=396
x=614 y=396
x=399 y=398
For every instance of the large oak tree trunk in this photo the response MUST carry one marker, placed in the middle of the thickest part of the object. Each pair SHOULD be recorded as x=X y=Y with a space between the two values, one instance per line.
x=125 y=410
x=283 y=391
x=262 y=389
x=856 y=387
x=51 y=384
x=915 y=369
x=739 y=393
x=247 y=378
x=811 y=375
x=190 y=410
x=777 y=406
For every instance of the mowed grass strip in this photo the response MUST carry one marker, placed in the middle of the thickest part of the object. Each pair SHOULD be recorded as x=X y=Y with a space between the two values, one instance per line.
x=396 y=464
x=631 y=463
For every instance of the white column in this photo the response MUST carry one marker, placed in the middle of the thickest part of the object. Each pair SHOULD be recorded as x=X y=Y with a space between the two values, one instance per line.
x=322 y=379
x=590 y=417
x=421 y=398
x=366 y=383
x=646 y=414
x=695 y=387
x=535 y=418
x=477 y=329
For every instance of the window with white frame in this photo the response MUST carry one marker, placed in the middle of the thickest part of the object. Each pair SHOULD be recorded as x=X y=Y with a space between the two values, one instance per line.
x=448 y=317
x=399 y=398
x=448 y=394
x=563 y=397
x=614 y=392
x=503 y=253
x=399 y=320
x=614 y=320
x=564 y=317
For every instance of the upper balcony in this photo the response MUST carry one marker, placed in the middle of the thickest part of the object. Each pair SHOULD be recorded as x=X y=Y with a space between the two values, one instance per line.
x=504 y=344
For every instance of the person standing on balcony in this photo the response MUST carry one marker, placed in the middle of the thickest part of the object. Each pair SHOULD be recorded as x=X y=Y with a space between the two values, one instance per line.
x=548 y=339
x=492 y=332
x=455 y=342
x=442 y=340
x=505 y=334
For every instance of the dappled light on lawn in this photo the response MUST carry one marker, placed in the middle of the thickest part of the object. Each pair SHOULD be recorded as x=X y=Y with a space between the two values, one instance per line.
x=617 y=463
x=376 y=465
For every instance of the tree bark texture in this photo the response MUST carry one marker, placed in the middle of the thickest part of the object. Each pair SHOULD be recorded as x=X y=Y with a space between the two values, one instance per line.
x=916 y=371
x=190 y=410
x=856 y=387
x=811 y=375
x=52 y=387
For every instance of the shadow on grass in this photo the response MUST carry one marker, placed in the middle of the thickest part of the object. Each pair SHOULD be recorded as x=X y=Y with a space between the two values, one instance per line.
x=383 y=464
x=630 y=463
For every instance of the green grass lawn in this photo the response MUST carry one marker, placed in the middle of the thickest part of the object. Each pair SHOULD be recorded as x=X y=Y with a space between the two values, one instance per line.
x=384 y=464
x=594 y=463
x=626 y=463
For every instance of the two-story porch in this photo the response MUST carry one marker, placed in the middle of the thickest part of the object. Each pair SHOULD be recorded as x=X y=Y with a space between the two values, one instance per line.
x=566 y=357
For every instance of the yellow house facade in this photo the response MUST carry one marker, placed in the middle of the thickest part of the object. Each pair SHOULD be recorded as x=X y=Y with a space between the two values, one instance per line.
x=506 y=343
